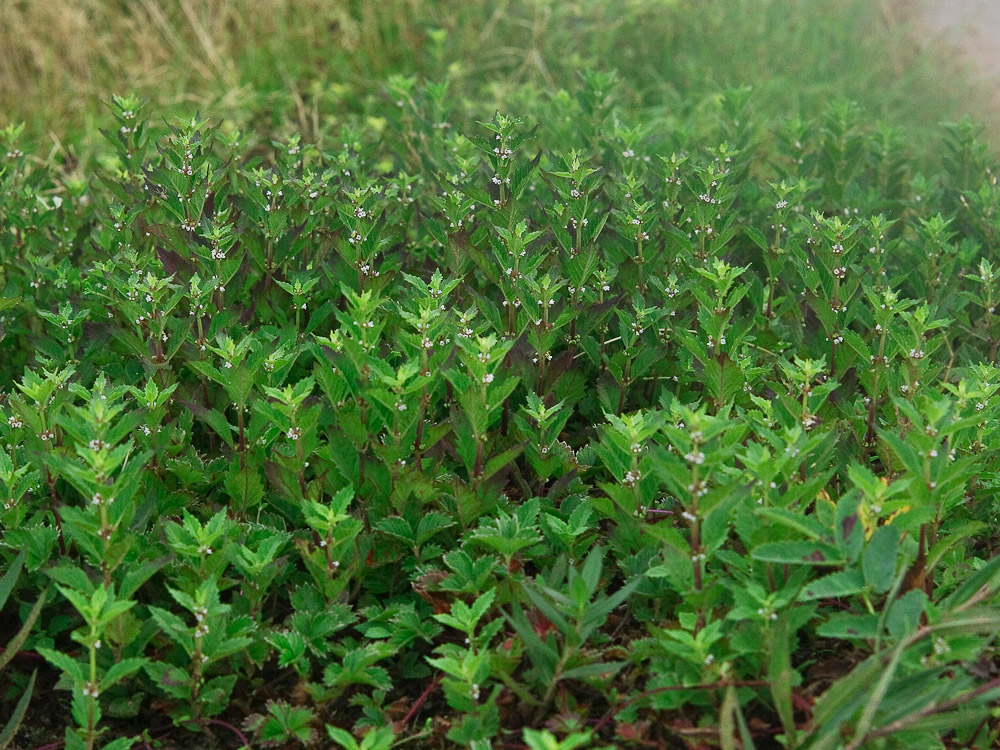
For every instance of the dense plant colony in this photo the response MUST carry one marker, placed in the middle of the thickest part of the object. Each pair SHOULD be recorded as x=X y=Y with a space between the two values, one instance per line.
x=574 y=430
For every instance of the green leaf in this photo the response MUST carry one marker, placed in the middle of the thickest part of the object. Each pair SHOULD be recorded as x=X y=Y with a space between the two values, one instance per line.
x=218 y=422
x=797 y=553
x=122 y=669
x=598 y=669
x=63 y=662
x=72 y=577
x=849 y=626
x=881 y=558
x=985 y=580
x=840 y=702
x=138 y=574
x=591 y=570
x=780 y=674
x=482 y=605
x=291 y=647
x=342 y=737
x=38 y=542
x=10 y=577
x=834 y=586
x=757 y=237
x=397 y=527
x=14 y=722
x=172 y=680
x=797 y=521
x=73 y=740
x=904 y=613
x=546 y=607
x=15 y=643
x=244 y=486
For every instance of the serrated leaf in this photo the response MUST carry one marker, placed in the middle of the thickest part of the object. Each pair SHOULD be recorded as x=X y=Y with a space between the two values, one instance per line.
x=63 y=662
x=122 y=669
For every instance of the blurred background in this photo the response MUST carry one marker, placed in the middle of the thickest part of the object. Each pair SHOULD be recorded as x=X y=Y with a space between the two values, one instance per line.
x=271 y=66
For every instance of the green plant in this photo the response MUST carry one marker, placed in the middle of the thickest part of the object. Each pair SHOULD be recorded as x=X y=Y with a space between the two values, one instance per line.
x=597 y=431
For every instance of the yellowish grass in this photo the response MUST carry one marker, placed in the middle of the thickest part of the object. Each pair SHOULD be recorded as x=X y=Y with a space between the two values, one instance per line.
x=62 y=57
x=265 y=62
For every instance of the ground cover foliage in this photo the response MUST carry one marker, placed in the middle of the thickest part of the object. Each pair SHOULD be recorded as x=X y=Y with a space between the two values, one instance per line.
x=577 y=428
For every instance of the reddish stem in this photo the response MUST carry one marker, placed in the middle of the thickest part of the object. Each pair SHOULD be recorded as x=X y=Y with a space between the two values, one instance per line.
x=231 y=728
x=420 y=701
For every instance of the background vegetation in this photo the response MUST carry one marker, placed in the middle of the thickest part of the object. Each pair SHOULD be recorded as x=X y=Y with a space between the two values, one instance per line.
x=275 y=66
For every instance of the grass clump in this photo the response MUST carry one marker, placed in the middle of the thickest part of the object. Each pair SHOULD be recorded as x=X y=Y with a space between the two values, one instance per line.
x=599 y=423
